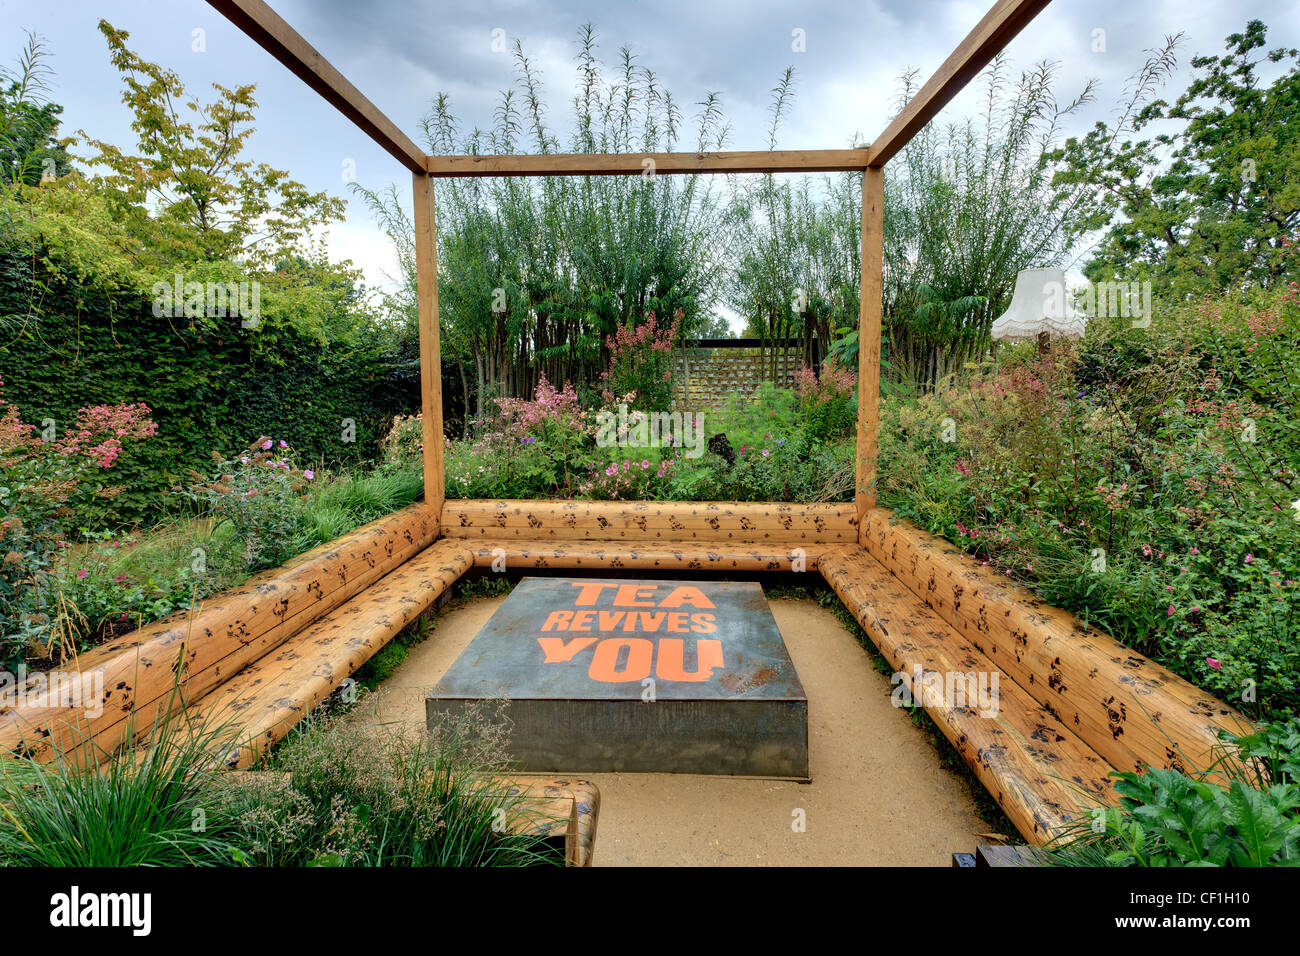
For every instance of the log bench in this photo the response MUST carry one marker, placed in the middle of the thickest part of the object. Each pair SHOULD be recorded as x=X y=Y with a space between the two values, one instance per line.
x=1072 y=703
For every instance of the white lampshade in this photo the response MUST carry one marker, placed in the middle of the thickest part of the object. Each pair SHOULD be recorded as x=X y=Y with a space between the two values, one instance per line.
x=1040 y=303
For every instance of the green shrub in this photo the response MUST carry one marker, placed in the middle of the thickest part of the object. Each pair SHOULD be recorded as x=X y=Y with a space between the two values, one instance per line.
x=344 y=794
x=261 y=494
x=1167 y=818
x=156 y=805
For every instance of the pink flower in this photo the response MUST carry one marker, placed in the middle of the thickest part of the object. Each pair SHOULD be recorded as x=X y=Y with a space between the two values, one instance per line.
x=82 y=573
x=1196 y=550
x=308 y=474
x=1217 y=665
x=283 y=443
x=266 y=445
x=1171 y=610
x=766 y=453
x=645 y=463
x=1250 y=558
x=611 y=470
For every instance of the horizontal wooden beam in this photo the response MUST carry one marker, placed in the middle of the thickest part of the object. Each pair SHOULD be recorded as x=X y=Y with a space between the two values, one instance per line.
x=636 y=164
x=269 y=31
x=648 y=523
x=991 y=34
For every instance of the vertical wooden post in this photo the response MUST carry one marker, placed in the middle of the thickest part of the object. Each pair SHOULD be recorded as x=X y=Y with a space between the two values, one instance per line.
x=869 y=315
x=426 y=281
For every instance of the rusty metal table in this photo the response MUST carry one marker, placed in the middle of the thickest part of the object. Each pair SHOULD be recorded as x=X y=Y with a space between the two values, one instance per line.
x=636 y=676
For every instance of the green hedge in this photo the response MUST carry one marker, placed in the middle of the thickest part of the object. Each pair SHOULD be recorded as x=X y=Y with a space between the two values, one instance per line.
x=210 y=388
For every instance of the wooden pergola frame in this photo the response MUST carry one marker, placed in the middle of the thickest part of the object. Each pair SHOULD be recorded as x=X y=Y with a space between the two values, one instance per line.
x=1004 y=20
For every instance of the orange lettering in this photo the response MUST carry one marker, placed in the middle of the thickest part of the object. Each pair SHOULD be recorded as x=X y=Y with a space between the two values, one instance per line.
x=687 y=594
x=609 y=619
x=651 y=622
x=557 y=650
x=703 y=623
x=628 y=593
x=589 y=593
x=582 y=621
x=605 y=661
x=677 y=622
x=558 y=621
x=672 y=653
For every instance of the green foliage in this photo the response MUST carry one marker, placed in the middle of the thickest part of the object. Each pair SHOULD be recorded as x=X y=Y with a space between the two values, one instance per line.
x=357 y=795
x=139 y=810
x=44 y=482
x=1167 y=818
x=1145 y=480
x=260 y=493
x=189 y=195
x=796 y=245
x=1207 y=206
x=332 y=396
x=29 y=151
x=828 y=408
x=342 y=795
x=967 y=206
x=535 y=273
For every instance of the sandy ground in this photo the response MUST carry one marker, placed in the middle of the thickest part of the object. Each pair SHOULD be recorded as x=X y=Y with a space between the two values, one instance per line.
x=879 y=794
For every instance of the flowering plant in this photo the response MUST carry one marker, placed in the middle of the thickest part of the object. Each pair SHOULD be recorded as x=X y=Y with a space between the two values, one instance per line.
x=42 y=485
x=260 y=493
x=641 y=362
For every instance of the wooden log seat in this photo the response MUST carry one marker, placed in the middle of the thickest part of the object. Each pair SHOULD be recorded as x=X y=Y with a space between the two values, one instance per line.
x=1126 y=707
x=715 y=523
x=562 y=807
x=190 y=653
x=668 y=556
x=258 y=706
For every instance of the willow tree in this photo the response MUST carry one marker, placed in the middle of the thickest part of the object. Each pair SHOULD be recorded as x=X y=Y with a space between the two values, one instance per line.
x=796 y=248
x=535 y=273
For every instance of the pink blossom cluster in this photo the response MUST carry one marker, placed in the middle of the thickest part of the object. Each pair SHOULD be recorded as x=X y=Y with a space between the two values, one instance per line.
x=630 y=345
x=835 y=382
x=100 y=430
x=548 y=404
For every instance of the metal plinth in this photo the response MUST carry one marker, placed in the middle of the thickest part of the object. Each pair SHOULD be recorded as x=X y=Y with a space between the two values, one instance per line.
x=636 y=676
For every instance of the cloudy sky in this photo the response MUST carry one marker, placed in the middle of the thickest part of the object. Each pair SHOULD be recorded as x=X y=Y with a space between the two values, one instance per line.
x=400 y=53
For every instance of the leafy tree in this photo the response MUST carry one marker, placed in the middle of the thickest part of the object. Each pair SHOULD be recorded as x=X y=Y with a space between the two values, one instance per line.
x=1208 y=205
x=797 y=248
x=534 y=274
x=188 y=195
x=967 y=206
x=29 y=151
